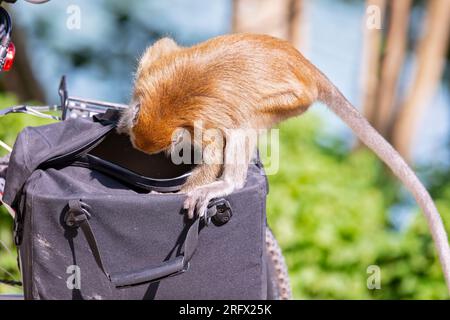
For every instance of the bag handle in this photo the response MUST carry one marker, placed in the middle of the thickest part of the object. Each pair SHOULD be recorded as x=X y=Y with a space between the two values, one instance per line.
x=78 y=216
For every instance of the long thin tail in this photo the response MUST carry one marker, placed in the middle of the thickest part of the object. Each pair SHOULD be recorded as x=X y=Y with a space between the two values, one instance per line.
x=336 y=101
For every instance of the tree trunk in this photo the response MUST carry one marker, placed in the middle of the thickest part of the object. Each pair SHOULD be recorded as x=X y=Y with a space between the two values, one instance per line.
x=430 y=66
x=262 y=16
x=393 y=59
x=371 y=62
x=295 y=23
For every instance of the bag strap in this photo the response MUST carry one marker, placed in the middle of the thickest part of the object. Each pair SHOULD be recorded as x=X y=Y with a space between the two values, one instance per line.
x=78 y=216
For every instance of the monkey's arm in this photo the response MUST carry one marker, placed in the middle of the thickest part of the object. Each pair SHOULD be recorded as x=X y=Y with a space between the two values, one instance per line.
x=210 y=169
x=202 y=175
x=237 y=155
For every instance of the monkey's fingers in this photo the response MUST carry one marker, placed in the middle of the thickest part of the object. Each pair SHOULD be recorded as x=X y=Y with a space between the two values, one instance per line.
x=197 y=201
x=202 y=205
x=189 y=206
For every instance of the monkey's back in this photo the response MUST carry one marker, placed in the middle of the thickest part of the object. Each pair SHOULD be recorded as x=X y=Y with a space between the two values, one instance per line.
x=257 y=76
x=231 y=81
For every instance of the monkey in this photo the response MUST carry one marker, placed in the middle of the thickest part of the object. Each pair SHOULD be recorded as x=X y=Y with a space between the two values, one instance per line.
x=240 y=81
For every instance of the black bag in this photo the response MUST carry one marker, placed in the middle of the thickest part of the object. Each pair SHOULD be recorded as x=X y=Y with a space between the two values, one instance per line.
x=87 y=228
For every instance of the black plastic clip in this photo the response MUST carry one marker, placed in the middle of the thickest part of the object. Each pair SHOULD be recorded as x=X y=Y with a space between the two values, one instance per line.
x=78 y=213
x=219 y=212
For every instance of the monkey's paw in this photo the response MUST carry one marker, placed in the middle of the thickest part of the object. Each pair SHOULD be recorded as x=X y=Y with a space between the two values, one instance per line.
x=197 y=201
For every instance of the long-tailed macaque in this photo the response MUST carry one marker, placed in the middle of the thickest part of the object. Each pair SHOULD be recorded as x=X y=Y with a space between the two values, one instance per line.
x=244 y=81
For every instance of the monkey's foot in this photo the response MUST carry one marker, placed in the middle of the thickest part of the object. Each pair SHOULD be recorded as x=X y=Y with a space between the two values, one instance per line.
x=198 y=199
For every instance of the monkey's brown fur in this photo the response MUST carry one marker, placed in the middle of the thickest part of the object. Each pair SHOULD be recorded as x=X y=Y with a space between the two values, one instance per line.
x=244 y=81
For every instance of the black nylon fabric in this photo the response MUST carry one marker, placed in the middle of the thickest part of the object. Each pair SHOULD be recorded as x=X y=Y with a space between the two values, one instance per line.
x=133 y=230
x=35 y=145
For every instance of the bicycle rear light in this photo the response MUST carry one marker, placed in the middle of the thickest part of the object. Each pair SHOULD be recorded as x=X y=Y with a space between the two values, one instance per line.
x=9 y=58
x=7 y=49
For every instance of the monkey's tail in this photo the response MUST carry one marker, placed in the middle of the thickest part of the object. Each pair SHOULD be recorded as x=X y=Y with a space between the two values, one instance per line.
x=336 y=101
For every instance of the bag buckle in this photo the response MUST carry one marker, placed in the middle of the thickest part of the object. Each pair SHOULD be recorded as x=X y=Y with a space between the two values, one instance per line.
x=219 y=212
x=77 y=214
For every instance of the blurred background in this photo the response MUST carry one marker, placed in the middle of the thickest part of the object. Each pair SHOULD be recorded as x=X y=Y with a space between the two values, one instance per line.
x=333 y=206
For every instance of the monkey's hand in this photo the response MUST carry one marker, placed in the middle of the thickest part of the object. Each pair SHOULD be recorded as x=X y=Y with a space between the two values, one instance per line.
x=196 y=187
x=198 y=199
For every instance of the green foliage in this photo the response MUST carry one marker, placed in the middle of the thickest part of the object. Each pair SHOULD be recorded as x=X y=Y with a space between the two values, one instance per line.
x=10 y=126
x=330 y=213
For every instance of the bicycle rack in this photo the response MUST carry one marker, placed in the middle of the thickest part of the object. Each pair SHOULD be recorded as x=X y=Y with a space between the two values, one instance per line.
x=71 y=107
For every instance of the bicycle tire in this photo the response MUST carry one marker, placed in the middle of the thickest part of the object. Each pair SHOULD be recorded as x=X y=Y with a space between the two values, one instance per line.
x=278 y=284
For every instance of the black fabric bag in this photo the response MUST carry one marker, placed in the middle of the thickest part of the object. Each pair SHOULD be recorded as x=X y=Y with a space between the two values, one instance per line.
x=88 y=228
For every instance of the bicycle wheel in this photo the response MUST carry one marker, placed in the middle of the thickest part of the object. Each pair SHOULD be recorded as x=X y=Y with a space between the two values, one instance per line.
x=278 y=285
